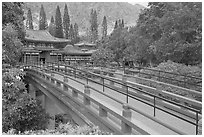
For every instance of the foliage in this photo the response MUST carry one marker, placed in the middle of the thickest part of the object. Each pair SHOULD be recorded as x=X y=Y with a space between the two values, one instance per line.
x=20 y=111
x=65 y=129
x=29 y=21
x=179 y=69
x=43 y=20
x=119 y=24
x=58 y=24
x=71 y=32
x=76 y=33
x=104 y=27
x=11 y=45
x=102 y=57
x=173 y=31
x=12 y=13
x=12 y=31
x=66 y=22
x=117 y=44
x=94 y=26
x=51 y=27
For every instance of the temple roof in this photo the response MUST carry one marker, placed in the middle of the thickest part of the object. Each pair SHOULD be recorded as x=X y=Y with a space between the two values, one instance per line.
x=82 y=43
x=43 y=36
x=30 y=49
x=71 y=50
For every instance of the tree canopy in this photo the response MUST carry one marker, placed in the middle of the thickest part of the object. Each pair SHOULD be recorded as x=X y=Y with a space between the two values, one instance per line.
x=51 y=27
x=20 y=111
x=13 y=32
x=66 y=22
x=58 y=24
x=29 y=21
x=164 y=31
x=43 y=20
x=104 y=27
x=94 y=26
x=173 y=30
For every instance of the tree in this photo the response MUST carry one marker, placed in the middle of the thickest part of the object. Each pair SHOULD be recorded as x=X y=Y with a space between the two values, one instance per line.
x=58 y=24
x=29 y=21
x=20 y=111
x=11 y=45
x=43 y=20
x=13 y=32
x=103 y=56
x=94 y=26
x=117 y=43
x=122 y=24
x=116 y=25
x=66 y=22
x=71 y=32
x=173 y=30
x=76 y=33
x=104 y=27
x=51 y=27
x=12 y=13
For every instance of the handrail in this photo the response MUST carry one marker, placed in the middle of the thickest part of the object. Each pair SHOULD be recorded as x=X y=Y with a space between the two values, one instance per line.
x=75 y=70
x=153 y=69
x=150 y=80
x=122 y=118
x=118 y=81
x=165 y=72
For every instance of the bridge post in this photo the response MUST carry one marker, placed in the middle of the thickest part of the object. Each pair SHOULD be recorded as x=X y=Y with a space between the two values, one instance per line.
x=58 y=84
x=65 y=87
x=127 y=129
x=87 y=92
x=52 y=81
x=102 y=112
x=47 y=78
x=124 y=79
x=74 y=93
x=65 y=79
x=200 y=127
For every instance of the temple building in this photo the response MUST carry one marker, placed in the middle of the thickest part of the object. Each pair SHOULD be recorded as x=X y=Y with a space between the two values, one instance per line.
x=41 y=46
x=74 y=55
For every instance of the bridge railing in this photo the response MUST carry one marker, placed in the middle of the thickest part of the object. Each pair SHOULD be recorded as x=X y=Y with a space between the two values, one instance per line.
x=183 y=81
x=153 y=83
x=83 y=74
x=126 y=118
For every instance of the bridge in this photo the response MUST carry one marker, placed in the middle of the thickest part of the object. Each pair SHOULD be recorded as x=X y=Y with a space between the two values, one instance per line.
x=116 y=102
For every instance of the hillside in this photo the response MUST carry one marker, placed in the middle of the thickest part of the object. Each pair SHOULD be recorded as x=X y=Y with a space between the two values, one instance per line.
x=80 y=11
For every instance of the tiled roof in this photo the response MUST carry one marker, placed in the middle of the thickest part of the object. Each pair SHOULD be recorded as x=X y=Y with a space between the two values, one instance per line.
x=30 y=49
x=71 y=50
x=43 y=36
x=84 y=43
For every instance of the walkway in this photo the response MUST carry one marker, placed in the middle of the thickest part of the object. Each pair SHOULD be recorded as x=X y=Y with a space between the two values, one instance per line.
x=153 y=128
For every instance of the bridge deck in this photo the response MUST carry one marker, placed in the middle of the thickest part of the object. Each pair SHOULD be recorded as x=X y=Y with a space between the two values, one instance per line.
x=153 y=127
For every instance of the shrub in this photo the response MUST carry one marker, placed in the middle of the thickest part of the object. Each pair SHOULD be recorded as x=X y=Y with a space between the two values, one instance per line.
x=183 y=72
x=64 y=129
x=179 y=69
